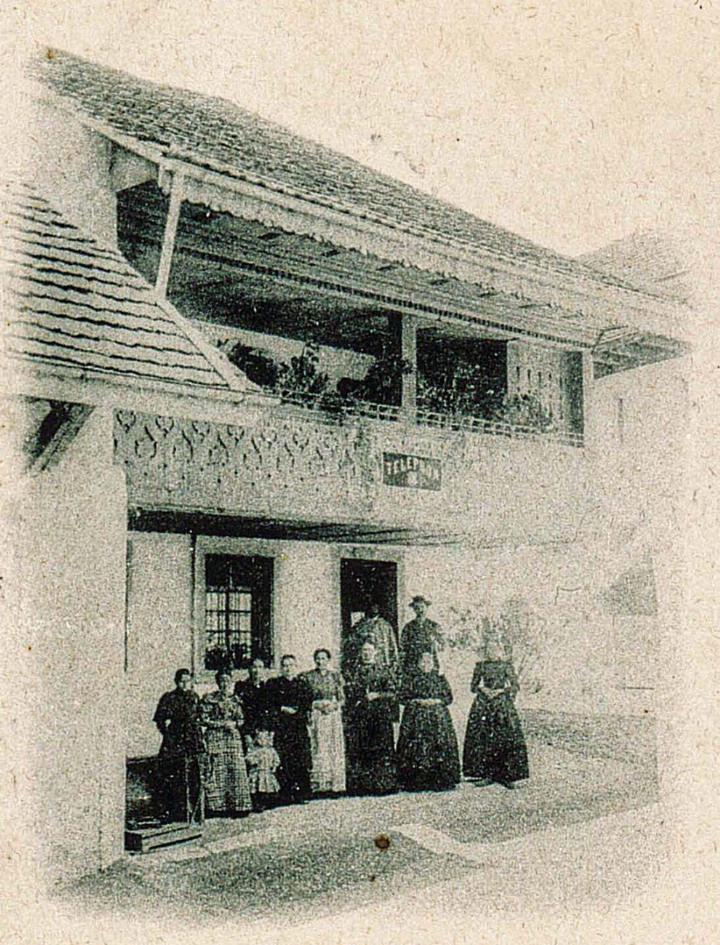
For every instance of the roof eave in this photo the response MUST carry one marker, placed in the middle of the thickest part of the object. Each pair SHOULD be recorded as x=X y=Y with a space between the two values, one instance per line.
x=316 y=216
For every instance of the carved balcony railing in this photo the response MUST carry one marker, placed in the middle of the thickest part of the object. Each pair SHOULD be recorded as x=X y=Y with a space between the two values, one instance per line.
x=329 y=410
x=443 y=421
x=291 y=462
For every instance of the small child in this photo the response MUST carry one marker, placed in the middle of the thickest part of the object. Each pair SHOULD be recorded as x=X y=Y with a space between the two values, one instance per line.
x=263 y=761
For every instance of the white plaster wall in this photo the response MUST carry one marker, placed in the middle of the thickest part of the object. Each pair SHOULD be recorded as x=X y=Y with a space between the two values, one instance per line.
x=585 y=656
x=67 y=600
x=159 y=628
x=308 y=601
x=650 y=453
x=72 y=166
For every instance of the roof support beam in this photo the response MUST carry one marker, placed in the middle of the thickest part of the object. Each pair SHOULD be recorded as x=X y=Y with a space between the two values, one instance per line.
x=177 y=189
x=408 y=353
x=468 y=302
x=588 y=381
x=54 y=433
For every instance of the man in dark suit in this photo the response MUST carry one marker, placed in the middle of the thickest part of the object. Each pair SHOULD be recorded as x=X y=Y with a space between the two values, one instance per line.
x=421 y=635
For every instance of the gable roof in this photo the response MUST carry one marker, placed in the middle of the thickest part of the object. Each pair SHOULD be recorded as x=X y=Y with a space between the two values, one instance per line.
x=72 y=303
x=214 y=133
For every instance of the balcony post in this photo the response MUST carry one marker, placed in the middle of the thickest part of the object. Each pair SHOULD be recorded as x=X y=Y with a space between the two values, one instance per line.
x=588 y=375
x=408 y=352
x=168 y=244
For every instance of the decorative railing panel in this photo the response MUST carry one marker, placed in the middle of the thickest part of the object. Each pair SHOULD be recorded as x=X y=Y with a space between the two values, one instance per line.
x=284 y=463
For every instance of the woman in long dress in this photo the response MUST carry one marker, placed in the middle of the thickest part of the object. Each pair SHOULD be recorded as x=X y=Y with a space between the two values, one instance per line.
x=227 y=790
x=427 y=751
x=495 y=748
x=178 y=720
x=289 y=702
x=370 y=711
x=327 y=739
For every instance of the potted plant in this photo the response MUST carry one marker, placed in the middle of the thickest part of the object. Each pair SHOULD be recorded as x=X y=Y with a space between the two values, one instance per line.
x=523 y=411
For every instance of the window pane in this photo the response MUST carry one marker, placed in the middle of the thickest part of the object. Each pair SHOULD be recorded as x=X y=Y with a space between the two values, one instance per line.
x=229 y=621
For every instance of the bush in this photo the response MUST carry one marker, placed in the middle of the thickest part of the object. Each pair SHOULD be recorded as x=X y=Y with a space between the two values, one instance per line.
x=523 y=410
x=382 y=383
x=458 y=388
x=516 y=623
x=302 y=375
x=255 y=364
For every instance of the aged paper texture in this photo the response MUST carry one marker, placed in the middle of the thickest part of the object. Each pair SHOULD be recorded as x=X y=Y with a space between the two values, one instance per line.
x=359 y=471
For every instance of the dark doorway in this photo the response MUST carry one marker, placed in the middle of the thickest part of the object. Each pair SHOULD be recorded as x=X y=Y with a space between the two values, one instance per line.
x=238 y=610
x=362 y=581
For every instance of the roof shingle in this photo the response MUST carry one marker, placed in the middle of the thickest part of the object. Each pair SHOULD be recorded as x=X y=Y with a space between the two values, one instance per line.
x=655 y=261
x=72 y=302
x=216 y=133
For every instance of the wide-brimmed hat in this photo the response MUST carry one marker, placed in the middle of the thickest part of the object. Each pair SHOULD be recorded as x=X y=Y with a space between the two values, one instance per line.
x=419 y=599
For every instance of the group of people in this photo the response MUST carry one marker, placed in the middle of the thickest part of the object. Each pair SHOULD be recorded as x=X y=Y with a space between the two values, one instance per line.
x=259 y=742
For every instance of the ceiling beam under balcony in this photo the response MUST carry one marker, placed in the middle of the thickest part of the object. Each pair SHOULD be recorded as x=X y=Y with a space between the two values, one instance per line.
x=189 y=521
x=237 y=242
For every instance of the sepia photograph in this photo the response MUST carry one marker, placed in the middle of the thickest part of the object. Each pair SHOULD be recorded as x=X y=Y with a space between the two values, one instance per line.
x=357 y=403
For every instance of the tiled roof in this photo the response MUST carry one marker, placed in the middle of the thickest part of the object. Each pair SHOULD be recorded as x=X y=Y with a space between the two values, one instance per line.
x=71 y=302
x=213 y=132
x=657 y=262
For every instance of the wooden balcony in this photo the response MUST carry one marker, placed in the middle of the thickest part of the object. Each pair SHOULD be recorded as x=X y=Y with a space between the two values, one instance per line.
x=318 y=407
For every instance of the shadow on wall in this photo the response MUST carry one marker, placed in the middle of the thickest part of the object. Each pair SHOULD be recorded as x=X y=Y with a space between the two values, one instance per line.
x=633 y=593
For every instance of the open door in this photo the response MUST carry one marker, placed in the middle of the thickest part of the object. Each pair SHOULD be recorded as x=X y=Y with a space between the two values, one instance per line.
x=362 y=581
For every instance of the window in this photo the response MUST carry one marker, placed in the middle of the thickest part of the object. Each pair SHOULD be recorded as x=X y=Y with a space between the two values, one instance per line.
x=238 y=597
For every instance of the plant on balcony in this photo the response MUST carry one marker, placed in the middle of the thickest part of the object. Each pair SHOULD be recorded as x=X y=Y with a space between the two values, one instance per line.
x=255 y=364
x=457 y=389
x=518 y=625
x=382 y=382
x=523 y=411
x=302 y=374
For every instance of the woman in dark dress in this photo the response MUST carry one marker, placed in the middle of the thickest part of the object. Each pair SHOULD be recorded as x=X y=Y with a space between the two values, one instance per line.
x=252 y=694
x=495 y=748
x=289 y=704
x=370 y=711
x=178 y=720
x=427 y=752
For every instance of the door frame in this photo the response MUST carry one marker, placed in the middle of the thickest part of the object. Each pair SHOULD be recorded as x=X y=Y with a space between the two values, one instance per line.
x=390 y=553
